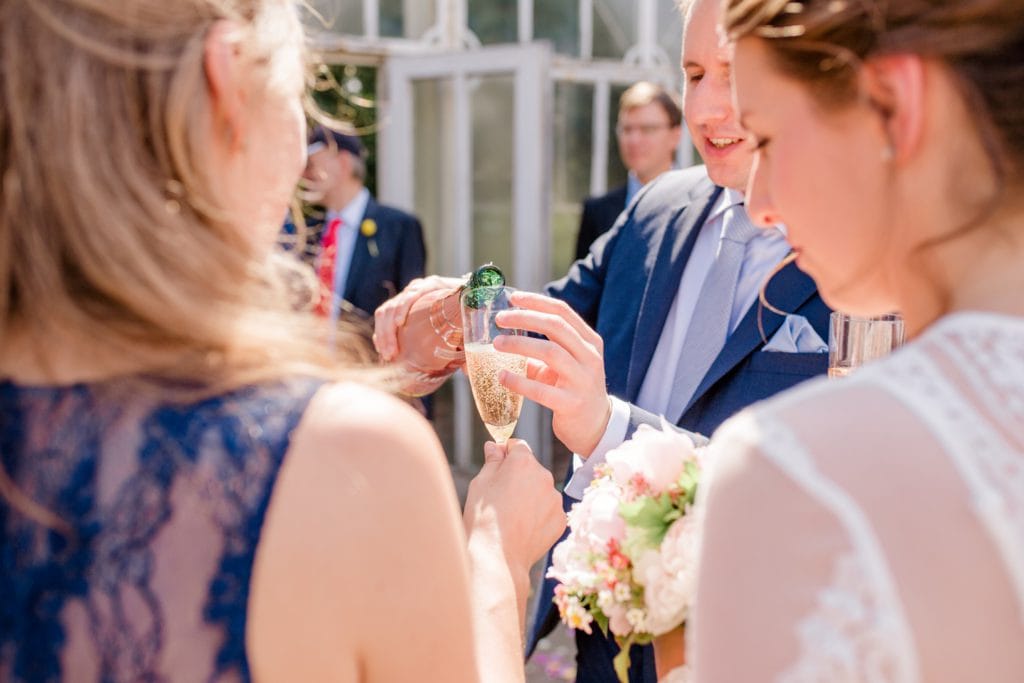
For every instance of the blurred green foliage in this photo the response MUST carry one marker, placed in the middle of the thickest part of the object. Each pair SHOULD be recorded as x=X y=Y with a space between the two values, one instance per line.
x=349 y=93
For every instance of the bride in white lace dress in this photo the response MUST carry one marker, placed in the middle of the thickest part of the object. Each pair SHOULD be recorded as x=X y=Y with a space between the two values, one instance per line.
x=872 y=528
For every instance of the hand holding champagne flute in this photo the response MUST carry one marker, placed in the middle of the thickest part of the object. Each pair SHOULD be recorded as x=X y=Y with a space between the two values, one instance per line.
x=498 y=406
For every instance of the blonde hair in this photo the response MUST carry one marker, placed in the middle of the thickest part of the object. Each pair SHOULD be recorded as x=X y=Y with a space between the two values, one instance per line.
x=111 y=229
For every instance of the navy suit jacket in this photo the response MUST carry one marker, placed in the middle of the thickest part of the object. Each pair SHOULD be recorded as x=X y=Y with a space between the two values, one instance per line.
x=599 y=215
x=624 y=289
x=374 y=278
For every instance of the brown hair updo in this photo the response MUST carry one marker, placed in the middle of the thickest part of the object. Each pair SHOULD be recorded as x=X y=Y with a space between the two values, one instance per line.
x=822 y=43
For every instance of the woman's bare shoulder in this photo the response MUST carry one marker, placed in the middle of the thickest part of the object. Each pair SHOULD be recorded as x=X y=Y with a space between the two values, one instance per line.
x=364 y=487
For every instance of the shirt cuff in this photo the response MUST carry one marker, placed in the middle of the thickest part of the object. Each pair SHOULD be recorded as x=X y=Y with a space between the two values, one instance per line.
x=614 y=435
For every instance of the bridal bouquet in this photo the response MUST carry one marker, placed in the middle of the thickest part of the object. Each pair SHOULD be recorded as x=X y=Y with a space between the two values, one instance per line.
x=628 y=562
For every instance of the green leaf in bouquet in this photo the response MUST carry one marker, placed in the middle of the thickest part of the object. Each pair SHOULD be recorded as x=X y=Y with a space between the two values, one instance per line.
x=621 y=661
x=688 y=480
x=650 y=517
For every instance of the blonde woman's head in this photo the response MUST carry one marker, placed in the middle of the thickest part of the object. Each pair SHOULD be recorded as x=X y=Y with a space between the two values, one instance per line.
x=148 y=153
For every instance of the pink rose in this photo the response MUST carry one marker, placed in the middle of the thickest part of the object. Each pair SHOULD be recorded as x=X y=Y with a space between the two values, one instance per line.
x=657 y=456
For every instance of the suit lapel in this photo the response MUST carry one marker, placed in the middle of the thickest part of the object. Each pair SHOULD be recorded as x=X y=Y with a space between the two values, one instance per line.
x=788 y=290
x=675 y=245
x=360 y=254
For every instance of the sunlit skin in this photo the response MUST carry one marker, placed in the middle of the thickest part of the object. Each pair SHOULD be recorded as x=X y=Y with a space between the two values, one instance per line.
x=875 y=194
x=813 y=172
x=708 y=102
x=647 y=141
x=258 y=166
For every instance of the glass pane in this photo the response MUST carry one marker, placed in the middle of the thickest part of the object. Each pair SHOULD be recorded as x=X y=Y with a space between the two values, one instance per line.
x=392 y=18
x=494 y=21
x=670 y=31
x=492 y=102
x=616 y=170
x=558 y=21
x=433 y=172
x=340 y=16
x=571 y=173
x=615 y=28
x=406 y=18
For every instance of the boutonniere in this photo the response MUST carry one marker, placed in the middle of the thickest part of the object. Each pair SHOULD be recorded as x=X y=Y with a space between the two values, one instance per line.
x=369 y=229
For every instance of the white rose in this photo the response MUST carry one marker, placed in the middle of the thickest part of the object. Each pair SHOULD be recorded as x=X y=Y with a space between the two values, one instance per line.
x=669 y=577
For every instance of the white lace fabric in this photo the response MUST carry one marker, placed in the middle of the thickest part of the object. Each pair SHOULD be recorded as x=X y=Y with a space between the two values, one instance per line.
x=871 y=528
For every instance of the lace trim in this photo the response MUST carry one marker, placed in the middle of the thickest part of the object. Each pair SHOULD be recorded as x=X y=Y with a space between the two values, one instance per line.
x=858 y=630
x=991 y=468
x=226 y=451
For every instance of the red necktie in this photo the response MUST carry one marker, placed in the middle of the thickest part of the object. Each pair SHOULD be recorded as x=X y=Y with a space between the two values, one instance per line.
x=325 y=268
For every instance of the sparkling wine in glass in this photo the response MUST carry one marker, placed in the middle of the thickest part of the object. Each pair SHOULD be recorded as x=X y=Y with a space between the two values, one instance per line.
x=854 y=341
x=498 y=406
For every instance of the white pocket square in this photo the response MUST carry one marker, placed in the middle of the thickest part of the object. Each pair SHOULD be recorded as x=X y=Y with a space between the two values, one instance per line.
x=796 y=335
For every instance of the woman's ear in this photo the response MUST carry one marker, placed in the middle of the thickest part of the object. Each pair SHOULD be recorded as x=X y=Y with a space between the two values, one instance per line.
x=221 y=62
x=894 y=87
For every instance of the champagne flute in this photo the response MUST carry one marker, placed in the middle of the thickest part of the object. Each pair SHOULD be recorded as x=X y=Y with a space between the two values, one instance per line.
x=853 y=341
x=498 y=406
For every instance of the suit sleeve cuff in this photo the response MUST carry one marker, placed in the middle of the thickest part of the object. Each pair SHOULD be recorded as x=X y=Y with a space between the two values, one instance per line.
x=614 y=435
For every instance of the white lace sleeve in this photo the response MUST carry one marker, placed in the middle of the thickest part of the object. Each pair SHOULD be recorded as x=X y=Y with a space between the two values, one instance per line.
x=793 y=585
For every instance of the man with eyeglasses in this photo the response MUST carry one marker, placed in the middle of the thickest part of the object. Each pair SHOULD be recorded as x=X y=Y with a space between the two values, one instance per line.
x=649 y=129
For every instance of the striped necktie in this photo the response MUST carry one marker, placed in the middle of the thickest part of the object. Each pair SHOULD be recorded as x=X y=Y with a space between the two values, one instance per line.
x=709 y=326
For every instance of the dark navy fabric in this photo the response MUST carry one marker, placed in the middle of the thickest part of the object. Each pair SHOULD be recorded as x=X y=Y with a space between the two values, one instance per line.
x=161 y=502
x=598 y=217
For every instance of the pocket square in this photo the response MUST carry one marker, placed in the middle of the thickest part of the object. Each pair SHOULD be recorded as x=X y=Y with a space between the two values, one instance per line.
x=796 y=335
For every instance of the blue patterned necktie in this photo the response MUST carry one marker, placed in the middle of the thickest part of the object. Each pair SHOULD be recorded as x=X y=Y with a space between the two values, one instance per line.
x=709 y=326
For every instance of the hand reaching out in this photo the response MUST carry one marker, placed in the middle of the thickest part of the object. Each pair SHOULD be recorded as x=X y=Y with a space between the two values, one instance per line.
x=566 y=370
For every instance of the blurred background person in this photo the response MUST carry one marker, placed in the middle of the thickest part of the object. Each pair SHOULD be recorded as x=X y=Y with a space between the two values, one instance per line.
x=648 y=131
x=363 y=252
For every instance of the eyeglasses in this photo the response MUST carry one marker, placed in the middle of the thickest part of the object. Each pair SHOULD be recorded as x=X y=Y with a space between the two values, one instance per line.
x=645 y=130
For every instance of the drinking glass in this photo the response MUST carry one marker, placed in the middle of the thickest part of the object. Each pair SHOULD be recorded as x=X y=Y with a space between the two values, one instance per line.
x=498 y=407
x=853 y=340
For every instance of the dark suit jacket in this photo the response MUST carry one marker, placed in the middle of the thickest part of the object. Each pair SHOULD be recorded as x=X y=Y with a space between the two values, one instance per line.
x=599 y=215
x=401 y=256
x=624 y=289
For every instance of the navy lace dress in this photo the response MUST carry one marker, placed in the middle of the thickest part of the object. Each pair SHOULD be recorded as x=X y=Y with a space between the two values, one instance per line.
x=165 y=499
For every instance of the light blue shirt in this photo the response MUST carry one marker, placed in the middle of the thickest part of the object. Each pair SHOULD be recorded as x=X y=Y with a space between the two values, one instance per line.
x=633 y=185
x=762 y=254
x=351 y=216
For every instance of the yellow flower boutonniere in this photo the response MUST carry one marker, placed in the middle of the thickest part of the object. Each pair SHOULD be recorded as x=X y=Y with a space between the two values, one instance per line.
x=368 y=230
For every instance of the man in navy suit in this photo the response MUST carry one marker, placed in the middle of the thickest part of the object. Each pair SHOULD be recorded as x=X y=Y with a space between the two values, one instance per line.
x=638 y=288
x=373 y=250
x=648 y=131
x=612 y=331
